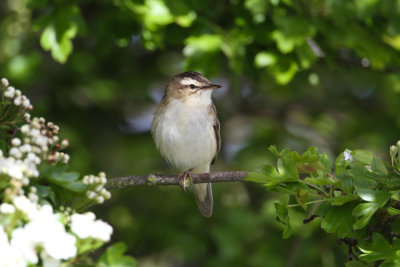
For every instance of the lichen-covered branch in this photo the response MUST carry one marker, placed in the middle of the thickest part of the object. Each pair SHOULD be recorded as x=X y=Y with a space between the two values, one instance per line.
x=170 y=179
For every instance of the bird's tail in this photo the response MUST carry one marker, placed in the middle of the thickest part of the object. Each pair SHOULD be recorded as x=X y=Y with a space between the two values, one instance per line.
x=203 y=194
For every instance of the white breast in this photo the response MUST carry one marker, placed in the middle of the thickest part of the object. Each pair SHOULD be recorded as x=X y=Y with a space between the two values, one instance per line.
x=184 y=134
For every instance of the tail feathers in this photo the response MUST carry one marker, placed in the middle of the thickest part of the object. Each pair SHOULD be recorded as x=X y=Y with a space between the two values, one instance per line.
x=204 y=198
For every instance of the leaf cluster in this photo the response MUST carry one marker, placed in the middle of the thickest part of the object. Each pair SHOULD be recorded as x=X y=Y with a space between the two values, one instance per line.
x=358 y=200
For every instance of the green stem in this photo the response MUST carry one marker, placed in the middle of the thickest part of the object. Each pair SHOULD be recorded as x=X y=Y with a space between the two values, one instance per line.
x=311 y=202
x=316 y=187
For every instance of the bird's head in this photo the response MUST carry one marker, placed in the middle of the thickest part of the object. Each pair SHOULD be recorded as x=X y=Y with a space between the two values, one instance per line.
x=189 y=85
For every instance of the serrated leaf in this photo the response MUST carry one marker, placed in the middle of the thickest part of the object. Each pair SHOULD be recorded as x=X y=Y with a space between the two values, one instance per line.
x=362 y=156
x=113 y=256
x=380 y=249
x=320 y=180
x=365 y=211
x=378 y=167
x=340 y=165
x=378 y=196
x=256 y=177
x=345 y=184
x=42 y=191
x=362 y=177
x=287 y=168
x=63 y=179
x=340 y=200
x=282 y=216
x=273 y=150
x=326 y=162
x=339 y=219
x=77 y=186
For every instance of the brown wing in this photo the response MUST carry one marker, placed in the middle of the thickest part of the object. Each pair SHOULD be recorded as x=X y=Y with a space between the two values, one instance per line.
x=216 y=127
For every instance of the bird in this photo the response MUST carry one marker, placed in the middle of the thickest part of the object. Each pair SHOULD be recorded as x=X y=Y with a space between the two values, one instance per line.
x=186 y=131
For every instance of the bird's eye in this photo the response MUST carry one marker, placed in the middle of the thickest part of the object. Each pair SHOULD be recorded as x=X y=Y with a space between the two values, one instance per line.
x=192 y=86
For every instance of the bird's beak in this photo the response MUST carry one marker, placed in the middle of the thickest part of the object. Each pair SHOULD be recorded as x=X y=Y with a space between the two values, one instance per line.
x=210 y=87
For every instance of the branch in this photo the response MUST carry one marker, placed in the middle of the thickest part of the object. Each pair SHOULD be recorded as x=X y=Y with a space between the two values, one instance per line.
x=170 y=179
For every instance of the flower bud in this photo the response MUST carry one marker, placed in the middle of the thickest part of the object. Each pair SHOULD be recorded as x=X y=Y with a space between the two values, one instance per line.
x=393 y=151
x=5 y=82
x=16 y=142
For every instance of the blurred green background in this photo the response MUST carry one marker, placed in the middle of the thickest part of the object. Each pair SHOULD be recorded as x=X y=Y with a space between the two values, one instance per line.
x=294 y=73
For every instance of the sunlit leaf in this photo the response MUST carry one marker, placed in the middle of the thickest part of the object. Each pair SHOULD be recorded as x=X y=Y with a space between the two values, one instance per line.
x=365 y=211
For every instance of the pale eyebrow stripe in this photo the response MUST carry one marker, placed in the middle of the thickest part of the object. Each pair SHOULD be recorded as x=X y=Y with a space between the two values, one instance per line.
x=188 y=81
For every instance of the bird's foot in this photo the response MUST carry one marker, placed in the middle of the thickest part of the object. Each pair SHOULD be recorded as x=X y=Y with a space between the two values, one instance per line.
x=184 y=179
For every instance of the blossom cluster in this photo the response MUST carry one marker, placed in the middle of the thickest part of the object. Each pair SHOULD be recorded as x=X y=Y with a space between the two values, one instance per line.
x=33 y=231
x=45 y=231
x=96 y=189
x=17 y=98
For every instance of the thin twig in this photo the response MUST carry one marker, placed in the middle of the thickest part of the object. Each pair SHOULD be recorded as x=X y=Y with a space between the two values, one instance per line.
x=170 y=179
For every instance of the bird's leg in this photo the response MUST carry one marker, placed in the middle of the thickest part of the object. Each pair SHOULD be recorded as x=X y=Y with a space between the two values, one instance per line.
x=184 y=181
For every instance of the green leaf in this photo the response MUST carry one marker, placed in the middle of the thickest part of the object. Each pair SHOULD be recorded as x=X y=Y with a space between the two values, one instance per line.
x=282 y=216
x=273 y=177
x=3 y=145
x=114 y=257
x=340 y=165
x=203 y=43
x=380 y=249
x=274 y=150
x=47 y=170
x=378 y=196
x=345 y=184
x=257 y=177
x=264 y=59
x=77 y=186
x=362 y=177
x=339 y=219
x=63 y=179
x=42 y=191
x=287 y=168
x=362 y=156
x=320 y=180
x=366 y=211
x=340 y=200
x=378 y=167
x=326 y=162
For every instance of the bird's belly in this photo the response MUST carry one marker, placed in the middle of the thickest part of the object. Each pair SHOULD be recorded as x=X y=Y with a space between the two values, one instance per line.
x=188 y=139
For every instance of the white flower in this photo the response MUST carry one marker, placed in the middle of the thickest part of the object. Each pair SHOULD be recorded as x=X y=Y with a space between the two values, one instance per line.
x=16 y=142
x=15 y=152
x=40 y=140
x=24 y=245
x=99 y=199
x=7 y=208
x=82 y=224
x=10 y=256
x=27 y=116
x=61 y=245
x=45 y=230
x=347 y=156
x=90 y=194
x=25 y=128
x=17 y=101
x=12 y=167
x=102 y=231
x=26 y=103
x=25 y=148
x=4 y=82
x=9 y=93
x=25 y=205
x=85 y=225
